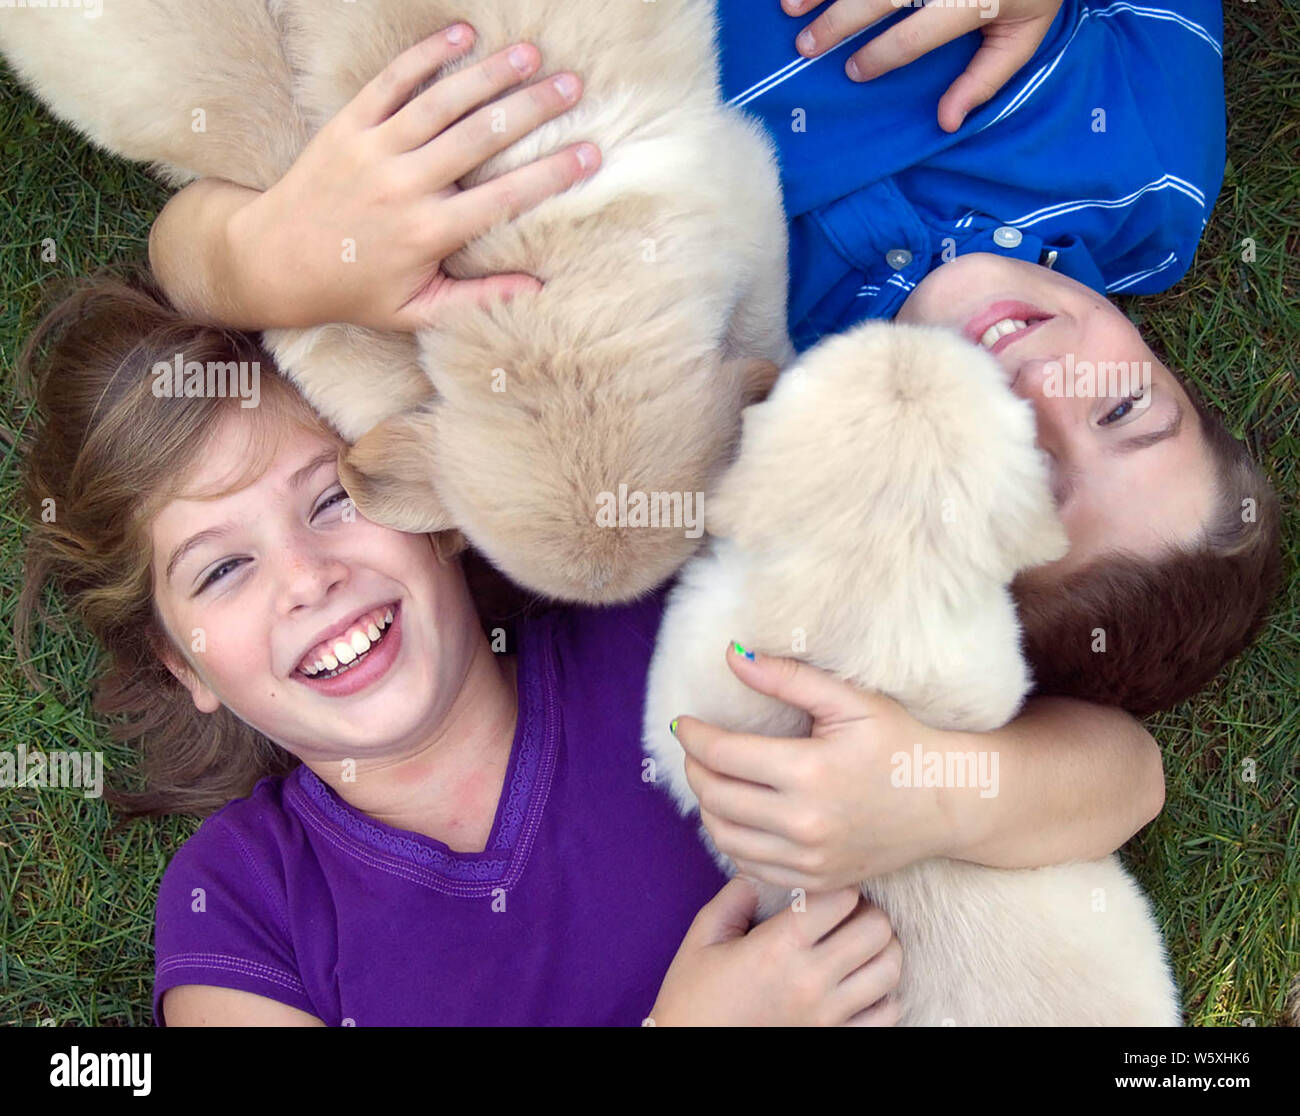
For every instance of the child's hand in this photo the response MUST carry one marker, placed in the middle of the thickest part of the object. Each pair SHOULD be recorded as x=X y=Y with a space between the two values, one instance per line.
x=358 y=227
x=821 y=812
x=1012 y=30
x=831 y=963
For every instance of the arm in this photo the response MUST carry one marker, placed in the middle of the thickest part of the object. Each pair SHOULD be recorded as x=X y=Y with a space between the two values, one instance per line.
x=205 y=1005
x=1077 y=781
x=1073 y=781
x=357 y=229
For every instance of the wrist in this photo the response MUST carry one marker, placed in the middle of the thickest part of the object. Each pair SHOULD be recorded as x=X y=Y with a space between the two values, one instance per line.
x=968 y=815
x=253 y=297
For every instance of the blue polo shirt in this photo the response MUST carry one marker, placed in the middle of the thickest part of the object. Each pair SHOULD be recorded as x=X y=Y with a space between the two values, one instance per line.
x=1107 y=149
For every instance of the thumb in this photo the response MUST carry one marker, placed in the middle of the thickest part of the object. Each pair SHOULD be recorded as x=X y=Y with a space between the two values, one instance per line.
x=1003 y=51
x=457 y=295
x=726 y=916
x=827 y=699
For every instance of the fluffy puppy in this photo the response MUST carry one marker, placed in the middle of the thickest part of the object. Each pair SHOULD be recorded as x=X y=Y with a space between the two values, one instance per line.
x=882 y=500
x=663 y=308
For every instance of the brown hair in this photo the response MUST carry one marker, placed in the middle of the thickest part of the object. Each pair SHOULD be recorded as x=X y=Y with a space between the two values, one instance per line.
x=1170 y=625
x=106 y=455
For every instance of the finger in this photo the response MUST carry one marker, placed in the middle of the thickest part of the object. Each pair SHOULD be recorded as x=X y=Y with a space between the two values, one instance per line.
x=859 y=939
x=450 y=98
x=759 y=760
x=883 y=1013
x=841 y=20
x=865 y=988
x=736 y=801
x=451 y=296
x=392 y=87
x=910 y=38
x=753 y=846
x=727 y=915
x=472 y=141
x=813 y=916
x=998 y=58
x=472 y=212
x=829 y=700
x=788 y=879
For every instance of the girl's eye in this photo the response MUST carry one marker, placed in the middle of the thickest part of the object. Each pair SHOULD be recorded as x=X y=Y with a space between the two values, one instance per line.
x=1123 y=410
x=330 y=501
x=219 y=572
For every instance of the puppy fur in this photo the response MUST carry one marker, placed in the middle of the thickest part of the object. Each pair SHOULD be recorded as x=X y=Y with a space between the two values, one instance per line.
x=881 y=502
x=663 y=310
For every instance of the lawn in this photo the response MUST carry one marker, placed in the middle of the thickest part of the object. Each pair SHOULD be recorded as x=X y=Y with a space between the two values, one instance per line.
x=1222 y=862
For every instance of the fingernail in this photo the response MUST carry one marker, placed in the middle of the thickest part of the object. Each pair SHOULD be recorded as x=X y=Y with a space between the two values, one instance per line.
x=805 y=42
x=851 y=68
x=672 y=726
x=567 y=85
x=456 y=35
x=586 y=155
x=741 y=651
x=520 y=59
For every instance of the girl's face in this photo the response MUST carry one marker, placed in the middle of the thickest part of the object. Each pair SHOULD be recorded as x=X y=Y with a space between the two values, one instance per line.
x=1130 y=468
x=258 y=587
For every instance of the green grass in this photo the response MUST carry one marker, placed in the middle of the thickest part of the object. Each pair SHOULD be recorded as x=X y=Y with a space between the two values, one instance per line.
x=1222 y=862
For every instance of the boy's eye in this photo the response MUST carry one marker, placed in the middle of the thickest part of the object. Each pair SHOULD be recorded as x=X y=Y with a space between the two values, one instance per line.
x=1123 y=410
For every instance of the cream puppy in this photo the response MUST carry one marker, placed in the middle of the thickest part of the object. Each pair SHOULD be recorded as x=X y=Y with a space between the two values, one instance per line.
x=882 y=500
x=663 y=310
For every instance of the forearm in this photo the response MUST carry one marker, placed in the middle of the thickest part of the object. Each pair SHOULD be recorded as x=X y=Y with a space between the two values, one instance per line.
x=192 y=252
x=1074 y=782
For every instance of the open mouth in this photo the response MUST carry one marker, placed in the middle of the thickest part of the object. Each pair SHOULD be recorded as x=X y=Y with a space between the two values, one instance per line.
x=350 y=661
x=1003 y=324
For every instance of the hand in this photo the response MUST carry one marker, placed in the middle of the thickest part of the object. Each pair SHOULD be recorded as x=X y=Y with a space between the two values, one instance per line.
x=833 y=963
x=1012 y=30
x=381 y=176
x=821 y=812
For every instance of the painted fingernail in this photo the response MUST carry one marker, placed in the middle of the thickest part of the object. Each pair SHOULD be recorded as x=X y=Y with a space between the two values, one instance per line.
x=567 y=85
x=741 y=651
x=672 y=726
x=587 y=155
x=456 y=35
x=520 y=59
x=805 y=42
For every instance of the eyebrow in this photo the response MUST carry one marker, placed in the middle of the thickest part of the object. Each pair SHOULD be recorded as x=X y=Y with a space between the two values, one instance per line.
x=1143 y=441
x=209 y=534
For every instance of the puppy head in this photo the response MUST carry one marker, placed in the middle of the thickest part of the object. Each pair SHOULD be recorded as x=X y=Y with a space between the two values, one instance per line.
x=893 y=443
x=592 y=496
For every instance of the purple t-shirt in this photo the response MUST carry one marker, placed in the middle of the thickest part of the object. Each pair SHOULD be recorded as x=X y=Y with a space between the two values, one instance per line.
x=571 y=915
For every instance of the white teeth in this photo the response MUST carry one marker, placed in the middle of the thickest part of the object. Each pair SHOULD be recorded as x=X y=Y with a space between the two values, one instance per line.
x=1001 y=329
x=350 y=646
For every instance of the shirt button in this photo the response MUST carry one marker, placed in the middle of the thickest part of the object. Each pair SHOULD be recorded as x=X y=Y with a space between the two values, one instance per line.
x=1007 y=237
x=898 y=258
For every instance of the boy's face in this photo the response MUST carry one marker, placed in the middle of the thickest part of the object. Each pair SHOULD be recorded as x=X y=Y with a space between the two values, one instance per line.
x=287 y=562
x=1130 y=469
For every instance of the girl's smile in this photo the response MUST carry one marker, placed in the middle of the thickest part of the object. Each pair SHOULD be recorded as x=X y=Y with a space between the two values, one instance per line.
x=353 y=654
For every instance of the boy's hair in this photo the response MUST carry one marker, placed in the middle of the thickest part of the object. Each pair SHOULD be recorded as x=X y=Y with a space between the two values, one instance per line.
x=1143 y=633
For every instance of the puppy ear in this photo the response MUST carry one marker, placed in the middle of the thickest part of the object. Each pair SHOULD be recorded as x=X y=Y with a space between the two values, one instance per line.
x=755 y=376
x=389 y=473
